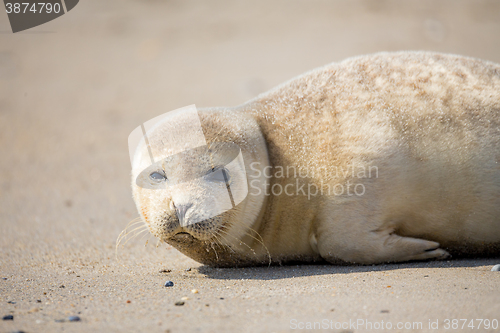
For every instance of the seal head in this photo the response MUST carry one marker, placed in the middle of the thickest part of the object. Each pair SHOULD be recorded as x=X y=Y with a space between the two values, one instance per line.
x=196 y=199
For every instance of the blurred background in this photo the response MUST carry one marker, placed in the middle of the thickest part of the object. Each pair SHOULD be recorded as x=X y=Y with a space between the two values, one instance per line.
x=72 y=90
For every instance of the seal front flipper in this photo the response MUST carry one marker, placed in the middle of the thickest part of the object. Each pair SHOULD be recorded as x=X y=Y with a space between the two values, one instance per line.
x=396 y=248
x=359 y=232
x=375 y=247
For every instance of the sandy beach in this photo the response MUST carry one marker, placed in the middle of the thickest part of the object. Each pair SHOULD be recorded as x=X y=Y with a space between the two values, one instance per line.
x=73 y=89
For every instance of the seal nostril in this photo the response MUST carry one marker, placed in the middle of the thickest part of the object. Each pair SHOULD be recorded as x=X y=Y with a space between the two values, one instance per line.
x=181 y=212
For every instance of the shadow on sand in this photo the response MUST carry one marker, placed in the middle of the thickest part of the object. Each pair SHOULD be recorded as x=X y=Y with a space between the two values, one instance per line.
x=289 y=271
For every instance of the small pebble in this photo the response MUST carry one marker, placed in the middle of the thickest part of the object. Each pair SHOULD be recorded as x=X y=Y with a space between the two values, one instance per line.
x=222 y=298
x=185 y=298
x=164 y=270
x=39 y=301
x=74 y=318
x=62 y=286
x=4 y=278
x=384 y=311
x=11 y=302
x=194 y=291
x=8 y=317
x=496 y=268
x=169 y=284
x=128 y=301
x=188 y=270
x=179 y=303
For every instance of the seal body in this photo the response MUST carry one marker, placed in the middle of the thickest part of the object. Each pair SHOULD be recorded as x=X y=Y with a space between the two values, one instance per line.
x=383 y=158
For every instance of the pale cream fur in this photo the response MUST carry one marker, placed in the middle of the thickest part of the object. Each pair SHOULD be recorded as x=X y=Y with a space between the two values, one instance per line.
x=428 y=123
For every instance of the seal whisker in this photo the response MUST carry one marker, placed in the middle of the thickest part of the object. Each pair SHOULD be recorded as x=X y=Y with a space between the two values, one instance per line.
x=122 y=236
x=147 y=240
x=134 y=221
x=220 y=242
x=261 y=240
x=241 y=242
x=217 y=239
x=134 y=236
x=137 y=220
x=213 y=248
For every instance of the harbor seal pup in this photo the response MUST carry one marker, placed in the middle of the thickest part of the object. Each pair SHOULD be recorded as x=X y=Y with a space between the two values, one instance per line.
x=389 y=157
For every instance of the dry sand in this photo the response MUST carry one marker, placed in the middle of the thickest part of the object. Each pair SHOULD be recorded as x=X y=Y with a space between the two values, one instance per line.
x=71 y=91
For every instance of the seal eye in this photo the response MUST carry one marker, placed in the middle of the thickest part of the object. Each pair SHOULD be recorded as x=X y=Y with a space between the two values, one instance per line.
x=157 y=176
